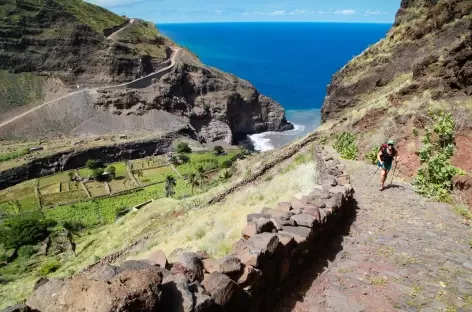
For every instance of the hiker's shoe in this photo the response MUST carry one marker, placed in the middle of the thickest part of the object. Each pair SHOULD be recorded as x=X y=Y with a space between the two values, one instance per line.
x=381 y=188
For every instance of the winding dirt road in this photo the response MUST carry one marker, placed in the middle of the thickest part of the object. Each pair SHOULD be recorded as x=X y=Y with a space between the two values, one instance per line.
x=112 y=36
x=172 y=64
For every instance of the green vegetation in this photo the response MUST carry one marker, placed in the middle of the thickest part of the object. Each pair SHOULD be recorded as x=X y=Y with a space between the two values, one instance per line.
x=371 y=156
x=13 y=155
x=26 y=251
x=20 y=231
x=20 y=89
x=207 y=160
x=463 y=211
x=219 y=150
x=62 y=198
x=18 y=199
x=346 y=145
x=94 y=164
x=434 y=178
x=153 y=175
x=54 y=179
x=170 y=185
x=183 y=147
x=49 y=267
x=183 y=158
x=192 y=181
x=111 y=171
x=140 y=32
x=97 y=174
x=96 y=17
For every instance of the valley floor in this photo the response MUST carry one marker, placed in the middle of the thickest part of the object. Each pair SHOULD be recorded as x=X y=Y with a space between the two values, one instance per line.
x=401 y=253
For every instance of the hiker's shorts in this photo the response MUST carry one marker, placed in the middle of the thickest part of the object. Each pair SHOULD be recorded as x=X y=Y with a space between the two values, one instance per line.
x=386 y=166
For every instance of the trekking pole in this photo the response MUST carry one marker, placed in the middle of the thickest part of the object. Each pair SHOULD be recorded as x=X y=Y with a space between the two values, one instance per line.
x=393 y=175
x=372 y=176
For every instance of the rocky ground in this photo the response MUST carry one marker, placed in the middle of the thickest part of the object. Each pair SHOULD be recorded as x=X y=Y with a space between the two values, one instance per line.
x=401 y=253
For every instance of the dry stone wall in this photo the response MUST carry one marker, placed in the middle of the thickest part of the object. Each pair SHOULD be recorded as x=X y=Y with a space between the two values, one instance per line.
x=268 y=259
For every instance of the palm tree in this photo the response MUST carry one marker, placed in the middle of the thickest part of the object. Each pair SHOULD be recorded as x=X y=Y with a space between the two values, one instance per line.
x=170 y=184
x=201 y=176
x=71 y=229
x=139 y=174
x=225 y=175
x=192 y=180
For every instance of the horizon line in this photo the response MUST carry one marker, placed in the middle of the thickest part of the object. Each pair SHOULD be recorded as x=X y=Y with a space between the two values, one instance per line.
x=261 y=22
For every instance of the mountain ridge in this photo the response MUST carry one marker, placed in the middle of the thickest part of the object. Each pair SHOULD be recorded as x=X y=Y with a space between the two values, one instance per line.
x=72 y=50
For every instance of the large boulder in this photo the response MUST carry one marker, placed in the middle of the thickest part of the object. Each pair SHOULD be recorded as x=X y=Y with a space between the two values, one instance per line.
x=176 y=294
x=306 y=220
x=133 y=290
x=158 y=258
x=258 y=226
x=193 y=265
x=226 y=265
x=300 y=234
x=103 y=272
x=220 y=286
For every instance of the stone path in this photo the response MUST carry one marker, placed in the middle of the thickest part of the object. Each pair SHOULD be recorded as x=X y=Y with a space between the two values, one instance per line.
x=401 y=253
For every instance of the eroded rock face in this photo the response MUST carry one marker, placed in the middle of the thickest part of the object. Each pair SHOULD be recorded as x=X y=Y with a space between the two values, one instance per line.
x=220 y=106
x=132 y=290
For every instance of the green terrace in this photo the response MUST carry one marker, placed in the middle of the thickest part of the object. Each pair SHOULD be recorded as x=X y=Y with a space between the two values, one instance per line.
x=77 y=197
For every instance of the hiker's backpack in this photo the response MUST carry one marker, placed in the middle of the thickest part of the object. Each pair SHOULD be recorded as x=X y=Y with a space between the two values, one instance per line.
x=383 y=149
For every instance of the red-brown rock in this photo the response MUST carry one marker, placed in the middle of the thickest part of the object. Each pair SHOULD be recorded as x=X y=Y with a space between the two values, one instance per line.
x=220 y=286
x=226 y=265
x=304 y=220
x=158 y=258
x=134 y=290
x=284 y=207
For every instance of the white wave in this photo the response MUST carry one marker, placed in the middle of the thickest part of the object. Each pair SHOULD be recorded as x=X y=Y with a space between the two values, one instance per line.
x=263 y=144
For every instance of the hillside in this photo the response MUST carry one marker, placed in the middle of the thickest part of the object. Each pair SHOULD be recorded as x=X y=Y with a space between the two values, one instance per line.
x=63 y=61
x=424 y=62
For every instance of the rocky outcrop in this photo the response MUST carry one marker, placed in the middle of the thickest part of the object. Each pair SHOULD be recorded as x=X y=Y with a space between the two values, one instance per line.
x=219 y=106
x=261 y=265
x=424 y=61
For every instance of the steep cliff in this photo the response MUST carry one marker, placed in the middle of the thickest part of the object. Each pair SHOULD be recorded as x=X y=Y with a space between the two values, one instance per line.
x=84 y=54
x=425 y=61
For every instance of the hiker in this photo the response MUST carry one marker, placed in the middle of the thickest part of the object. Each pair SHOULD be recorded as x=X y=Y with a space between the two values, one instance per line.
x=385 y=158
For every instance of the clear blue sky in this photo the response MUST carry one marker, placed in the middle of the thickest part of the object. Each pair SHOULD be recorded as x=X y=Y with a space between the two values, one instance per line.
x=184 y=11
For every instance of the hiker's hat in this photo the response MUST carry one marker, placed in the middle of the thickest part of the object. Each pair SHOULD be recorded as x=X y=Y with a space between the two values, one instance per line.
x=391 y=142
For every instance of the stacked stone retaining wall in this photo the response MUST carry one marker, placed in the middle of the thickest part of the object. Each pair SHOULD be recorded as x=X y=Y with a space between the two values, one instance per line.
x=269 y=258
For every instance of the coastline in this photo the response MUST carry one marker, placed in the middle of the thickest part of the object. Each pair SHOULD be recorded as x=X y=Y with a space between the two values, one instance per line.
x=304 y=121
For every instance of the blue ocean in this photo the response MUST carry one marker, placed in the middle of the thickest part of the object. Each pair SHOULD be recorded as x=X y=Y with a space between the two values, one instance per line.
x=291 y=62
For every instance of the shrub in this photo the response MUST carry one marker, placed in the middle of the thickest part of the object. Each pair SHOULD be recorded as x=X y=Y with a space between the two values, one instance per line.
x=183 y=147
x=121 y=212
x=323 y=140
x=73 y=226
x=346 y=145
x=184 y=158
x=226 y=164
x=17 y=232
x=434 y=178
x=13 y=155
x=111 y=171
x=371 y=156
x=71 y=176
x=218 y=150
x=97 y=174
x=49 y=267
x=94 y=164
x=26 y=251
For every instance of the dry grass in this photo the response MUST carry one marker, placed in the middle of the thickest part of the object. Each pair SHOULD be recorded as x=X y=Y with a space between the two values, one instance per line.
x=220 y=225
